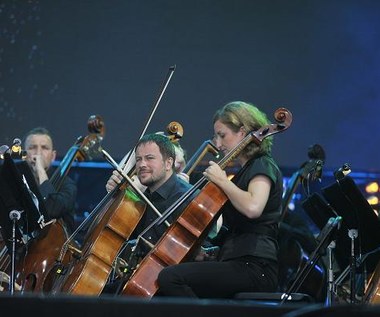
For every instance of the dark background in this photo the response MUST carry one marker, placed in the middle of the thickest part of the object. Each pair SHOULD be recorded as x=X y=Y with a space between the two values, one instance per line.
x=64 y=60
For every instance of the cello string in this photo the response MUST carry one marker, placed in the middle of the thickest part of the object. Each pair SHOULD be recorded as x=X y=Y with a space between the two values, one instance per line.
x=127 y=162
x=96 y=127
x=130 y=182
x=3 y=256
x=200 y=183
x=203 y=180
x=207 y=146
x=255 y=136
x=93 y=214
x=185 y=243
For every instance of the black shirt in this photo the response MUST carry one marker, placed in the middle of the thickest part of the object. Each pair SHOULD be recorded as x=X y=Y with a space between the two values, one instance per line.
x=162 y=199
x=60 y=204
x=253 y=237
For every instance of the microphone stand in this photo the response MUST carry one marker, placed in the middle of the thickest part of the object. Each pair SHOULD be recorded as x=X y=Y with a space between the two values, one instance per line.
x=353 y=234
x=330 y=291
x=14 y=215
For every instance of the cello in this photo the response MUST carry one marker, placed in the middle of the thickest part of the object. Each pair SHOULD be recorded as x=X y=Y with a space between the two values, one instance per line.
x=33 y=271
x=114 y=220
x=372 y=290
x=206 y=147
x=126 y=264
x=182 y=238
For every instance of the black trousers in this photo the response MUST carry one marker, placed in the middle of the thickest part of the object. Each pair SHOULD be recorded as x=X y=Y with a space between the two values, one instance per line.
x=214 y=279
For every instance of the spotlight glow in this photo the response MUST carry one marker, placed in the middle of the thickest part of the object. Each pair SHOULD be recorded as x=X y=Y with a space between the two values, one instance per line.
x=372 y=188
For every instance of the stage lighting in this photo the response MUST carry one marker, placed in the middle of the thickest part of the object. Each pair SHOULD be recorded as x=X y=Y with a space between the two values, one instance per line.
x=372 y=188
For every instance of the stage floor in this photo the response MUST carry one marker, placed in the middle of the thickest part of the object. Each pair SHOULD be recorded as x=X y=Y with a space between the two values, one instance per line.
x=18 y=305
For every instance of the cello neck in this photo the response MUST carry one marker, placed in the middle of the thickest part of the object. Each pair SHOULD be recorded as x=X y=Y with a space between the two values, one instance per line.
x=206 y=147
x=62 y=170
x=84 y=147
x=283 y=118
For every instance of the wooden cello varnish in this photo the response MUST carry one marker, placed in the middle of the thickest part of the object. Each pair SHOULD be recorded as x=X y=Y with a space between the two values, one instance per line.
x=179 y=242
x=117 y=217
x=89 y=274
x=35 y=272
x=372 y=291
x=185 y=234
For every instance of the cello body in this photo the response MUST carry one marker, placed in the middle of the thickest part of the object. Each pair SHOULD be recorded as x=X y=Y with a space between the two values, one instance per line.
x=117 y=216
x=40 y=257
x=89 y=270
x=34 y=271
x=5 y=261
x=183 y=237
x=372 y=291
x=179 y=242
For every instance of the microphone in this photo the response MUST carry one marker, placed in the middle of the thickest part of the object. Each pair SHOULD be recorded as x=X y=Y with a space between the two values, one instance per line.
x=16 y=146
x=16 y=142
x=3 y=149
x=15 y=151
x=15 y=215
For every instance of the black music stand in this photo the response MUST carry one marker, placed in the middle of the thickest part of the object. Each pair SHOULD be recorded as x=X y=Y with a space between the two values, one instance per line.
x=22 y=209
x=320 y=211
x=360 y=225
x=325 y=237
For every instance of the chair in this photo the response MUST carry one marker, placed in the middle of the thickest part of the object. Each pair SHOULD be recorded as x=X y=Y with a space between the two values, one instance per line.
x=291 y=295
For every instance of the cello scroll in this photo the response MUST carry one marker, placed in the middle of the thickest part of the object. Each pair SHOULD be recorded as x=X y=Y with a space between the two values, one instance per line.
x=283 y=118
x=175 y=131
x=90 y=145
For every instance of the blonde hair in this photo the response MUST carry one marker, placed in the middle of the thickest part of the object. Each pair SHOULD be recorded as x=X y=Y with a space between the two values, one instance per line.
x=240 y=114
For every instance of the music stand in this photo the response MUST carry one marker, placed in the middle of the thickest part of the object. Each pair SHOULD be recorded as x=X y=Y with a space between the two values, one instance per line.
x=357 y=214
x=326 y=235
x=22 y=210
x=318 y=210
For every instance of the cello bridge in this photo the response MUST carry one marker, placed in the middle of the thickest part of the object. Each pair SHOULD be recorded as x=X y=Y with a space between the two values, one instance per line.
x=75 y=251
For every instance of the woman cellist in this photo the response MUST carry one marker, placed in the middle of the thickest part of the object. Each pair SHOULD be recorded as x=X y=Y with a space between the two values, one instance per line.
x=247 y=260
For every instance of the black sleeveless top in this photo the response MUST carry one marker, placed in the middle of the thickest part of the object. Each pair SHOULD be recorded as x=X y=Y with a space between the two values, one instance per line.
x=241 y=236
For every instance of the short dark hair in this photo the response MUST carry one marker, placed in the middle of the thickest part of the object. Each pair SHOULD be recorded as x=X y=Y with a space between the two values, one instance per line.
x=164 y=144
x=40 y=131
